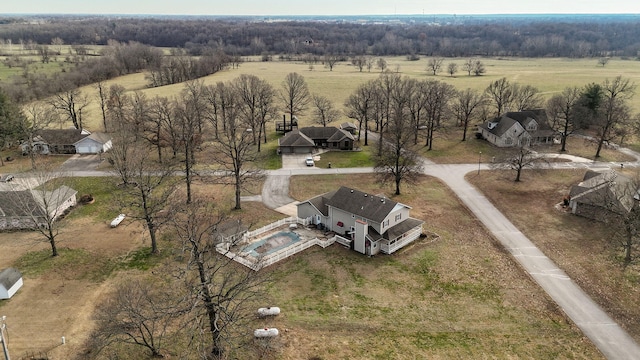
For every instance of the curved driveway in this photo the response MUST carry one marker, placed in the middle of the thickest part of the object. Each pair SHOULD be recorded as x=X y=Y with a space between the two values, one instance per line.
x=604 y=332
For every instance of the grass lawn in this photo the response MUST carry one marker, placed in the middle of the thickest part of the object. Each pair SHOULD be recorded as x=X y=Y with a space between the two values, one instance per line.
x=579 y=246
x=460 y=296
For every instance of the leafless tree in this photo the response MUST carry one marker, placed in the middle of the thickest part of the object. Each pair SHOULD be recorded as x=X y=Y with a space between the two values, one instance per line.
x=468 y=66
x=438 y=97
x=614 y=109
x=323 y=110
x=603 y=61
x=71 y=104
x=396 y=160
x=57 y=43
x=147 y=189
x=434 y=65
x=295 y=94
x=330 y=60
x=381 y=63
x=359 y=62
x=257 y=105
x=452 y=68
x=140 y=312
x=563 y=109
x=37 y=116
x=466 y=105
x=519 y=158
x=478 y=68
x=500 y=93
x=360 y=105
x=41 y=206
x=233 y=149
x=223 y=291
x=525 y=97
x=102 y=100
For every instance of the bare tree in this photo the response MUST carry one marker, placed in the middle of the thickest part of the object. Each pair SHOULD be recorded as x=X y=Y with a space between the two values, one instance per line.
x=102 y=100
x=71 y=104
x=233 y=149
x=468 y=66
x=12 y=124
x=525 y=97
x=397 y=160
x=478 y=68
x=360 y=105
x=434 y=65
x=500 y=93
x=140 y=313
x=330 y=60
x=145 y=194
x=324 y=112
x=36 y=117
x=359 y=62
x=41 y=206
x=295 y=94
x=437 y=104
x=519 y=158
x=452 y=68
x=257 y=105
x=223 y=291
x=466 y=105
x=614 y=109
x=563 y=109
x=381 y=63
x=603 y=61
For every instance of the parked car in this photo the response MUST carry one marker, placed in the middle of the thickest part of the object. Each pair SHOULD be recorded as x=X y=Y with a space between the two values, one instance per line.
x=6 y=178
x=309 y=161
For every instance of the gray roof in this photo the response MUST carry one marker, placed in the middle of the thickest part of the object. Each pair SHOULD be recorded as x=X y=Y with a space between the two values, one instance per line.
x=608 y=189
x=320 y=202
x=98 y=137
x=30 y=203
x=328 y=133
x=9 y=276
x=365 y=205
x=348 y=125
x=61 y=136
x=507 y=120
x=295 y=138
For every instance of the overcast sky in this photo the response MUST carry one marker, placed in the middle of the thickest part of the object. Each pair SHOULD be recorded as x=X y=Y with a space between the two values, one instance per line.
x=318 y=7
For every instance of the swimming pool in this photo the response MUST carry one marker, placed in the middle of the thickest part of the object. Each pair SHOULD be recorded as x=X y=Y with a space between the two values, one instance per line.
x=273 y=243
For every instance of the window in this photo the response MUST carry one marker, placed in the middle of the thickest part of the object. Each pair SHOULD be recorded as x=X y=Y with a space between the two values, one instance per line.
x=532 y=126
x=398 y=217
x=385 y=223
x=508 y=141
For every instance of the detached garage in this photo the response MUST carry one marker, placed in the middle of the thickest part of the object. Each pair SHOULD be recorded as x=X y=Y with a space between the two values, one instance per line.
x=10 y=282
x=95 y=143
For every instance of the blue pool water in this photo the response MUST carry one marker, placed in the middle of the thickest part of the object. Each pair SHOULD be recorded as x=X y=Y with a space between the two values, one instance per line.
x=275 y=242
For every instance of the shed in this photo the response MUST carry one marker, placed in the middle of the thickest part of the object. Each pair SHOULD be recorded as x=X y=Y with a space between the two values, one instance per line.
x=10 y=282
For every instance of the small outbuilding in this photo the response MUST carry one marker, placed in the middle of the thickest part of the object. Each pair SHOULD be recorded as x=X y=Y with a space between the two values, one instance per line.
x=10 y=282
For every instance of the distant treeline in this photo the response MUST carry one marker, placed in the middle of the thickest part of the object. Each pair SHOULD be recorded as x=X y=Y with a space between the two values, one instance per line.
x=516 y=37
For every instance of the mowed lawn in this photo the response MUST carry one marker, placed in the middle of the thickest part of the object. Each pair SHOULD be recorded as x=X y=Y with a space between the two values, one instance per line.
x=550 y=76
x=455 y=296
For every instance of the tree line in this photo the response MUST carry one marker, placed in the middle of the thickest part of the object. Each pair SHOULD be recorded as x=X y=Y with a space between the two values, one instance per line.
x=243 y=37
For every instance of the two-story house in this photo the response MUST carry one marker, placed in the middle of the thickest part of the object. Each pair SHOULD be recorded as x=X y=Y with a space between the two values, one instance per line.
x=520 y=128
x=372 y=223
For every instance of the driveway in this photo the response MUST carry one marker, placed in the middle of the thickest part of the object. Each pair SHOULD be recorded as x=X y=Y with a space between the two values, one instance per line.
x=79 y=162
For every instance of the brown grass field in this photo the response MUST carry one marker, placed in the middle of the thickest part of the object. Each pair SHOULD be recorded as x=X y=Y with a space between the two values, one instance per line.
x=549 y=75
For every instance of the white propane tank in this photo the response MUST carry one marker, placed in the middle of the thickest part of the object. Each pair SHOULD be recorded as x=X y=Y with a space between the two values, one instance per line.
x=268 y=311
x=266 y=333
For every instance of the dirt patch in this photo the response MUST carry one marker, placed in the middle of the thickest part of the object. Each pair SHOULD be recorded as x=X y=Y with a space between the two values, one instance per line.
x=55 y=304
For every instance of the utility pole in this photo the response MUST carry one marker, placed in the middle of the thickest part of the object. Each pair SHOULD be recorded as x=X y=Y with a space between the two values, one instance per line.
x=3 y=340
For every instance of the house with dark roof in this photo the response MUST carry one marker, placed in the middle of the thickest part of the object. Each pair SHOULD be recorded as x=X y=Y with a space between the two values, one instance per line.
x=329 y=137
x=602 y=195
x=521 y=128
x=28 y=209
x=350 y=127
x=373 y=223
x=10 y=282
x=295 y=142
x=68 y=141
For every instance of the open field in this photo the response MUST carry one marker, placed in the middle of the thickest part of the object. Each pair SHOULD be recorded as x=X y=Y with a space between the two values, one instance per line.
x=582 y=248
x=549 y=75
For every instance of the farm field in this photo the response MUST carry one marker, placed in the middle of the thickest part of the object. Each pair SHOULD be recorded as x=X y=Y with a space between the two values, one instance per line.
x=549 y=75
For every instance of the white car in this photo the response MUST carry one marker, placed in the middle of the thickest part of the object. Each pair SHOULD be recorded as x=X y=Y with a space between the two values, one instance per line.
x=309 y=161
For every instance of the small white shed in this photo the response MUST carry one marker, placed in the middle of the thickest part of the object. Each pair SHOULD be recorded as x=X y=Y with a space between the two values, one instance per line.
x=10 y=282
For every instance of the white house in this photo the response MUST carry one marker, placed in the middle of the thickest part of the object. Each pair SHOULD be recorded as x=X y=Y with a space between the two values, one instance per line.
x=95 y=143
x=68 y=141
x=373 y=223
x=10 y=282
x=521 y=128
